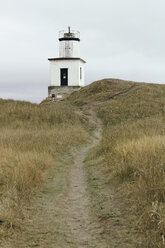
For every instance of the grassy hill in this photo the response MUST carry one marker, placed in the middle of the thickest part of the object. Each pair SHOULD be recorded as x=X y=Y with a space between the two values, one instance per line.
x=133 y=147
x=130 y=155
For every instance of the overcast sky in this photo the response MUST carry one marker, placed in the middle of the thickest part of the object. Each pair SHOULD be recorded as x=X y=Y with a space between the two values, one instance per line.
x=119 y=39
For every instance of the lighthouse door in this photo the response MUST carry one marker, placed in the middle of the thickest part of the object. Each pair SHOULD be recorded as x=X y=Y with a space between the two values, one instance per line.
x=64 y=77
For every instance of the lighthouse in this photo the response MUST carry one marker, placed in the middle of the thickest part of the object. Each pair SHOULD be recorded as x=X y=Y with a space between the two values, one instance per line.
x=66 y=71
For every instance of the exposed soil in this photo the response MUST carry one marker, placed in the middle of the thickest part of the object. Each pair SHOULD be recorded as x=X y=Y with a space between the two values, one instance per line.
x=86 y=232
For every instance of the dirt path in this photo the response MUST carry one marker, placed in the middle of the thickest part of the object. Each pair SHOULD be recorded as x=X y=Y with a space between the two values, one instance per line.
x=85 y=230
x=77 y=207
x=60 y=215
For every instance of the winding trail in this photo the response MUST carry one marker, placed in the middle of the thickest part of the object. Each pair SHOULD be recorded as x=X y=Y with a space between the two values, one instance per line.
x=59 y=216
x=85 y=230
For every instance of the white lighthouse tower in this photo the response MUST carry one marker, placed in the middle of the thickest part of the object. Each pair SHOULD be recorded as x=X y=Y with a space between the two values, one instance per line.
x=66 y=71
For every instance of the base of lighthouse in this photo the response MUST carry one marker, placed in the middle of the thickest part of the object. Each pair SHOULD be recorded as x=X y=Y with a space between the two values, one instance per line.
x=60 y=92
x=66 y=76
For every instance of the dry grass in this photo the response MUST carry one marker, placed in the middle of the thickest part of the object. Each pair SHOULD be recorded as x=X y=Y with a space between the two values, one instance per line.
x=136 y=158
x=133 y=147
x=32 y=138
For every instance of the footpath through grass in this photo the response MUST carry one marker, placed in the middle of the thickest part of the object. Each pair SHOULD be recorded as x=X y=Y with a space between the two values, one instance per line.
x=132 y=151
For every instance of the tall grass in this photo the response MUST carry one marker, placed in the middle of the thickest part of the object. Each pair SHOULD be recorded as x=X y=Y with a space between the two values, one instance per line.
x=133 y=147
x=135 y=157
x=32 y=139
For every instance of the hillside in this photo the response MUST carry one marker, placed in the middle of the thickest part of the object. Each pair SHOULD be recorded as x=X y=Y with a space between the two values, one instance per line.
x=132 y=147
x=84 y=172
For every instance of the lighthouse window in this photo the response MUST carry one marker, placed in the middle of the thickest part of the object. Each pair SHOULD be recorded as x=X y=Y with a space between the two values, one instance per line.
x=80 y=72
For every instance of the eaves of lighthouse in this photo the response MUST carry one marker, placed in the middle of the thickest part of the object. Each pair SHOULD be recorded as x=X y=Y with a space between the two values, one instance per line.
x=67 y=71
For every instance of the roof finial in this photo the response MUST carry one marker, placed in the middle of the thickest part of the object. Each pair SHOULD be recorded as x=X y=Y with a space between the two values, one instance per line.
x=68 y=29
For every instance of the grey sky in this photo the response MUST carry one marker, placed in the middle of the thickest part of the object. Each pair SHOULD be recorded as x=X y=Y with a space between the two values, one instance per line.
x=119 y=38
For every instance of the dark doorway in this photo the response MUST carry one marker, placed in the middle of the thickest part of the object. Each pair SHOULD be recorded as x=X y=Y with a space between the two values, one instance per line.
x=64 y=77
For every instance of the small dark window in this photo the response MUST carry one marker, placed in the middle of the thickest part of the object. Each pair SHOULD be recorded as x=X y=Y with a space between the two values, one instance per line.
x=64 y=76
x=80 y=72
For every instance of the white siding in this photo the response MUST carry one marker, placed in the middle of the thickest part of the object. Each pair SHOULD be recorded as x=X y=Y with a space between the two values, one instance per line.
x=69 y=49
x=73 y=72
